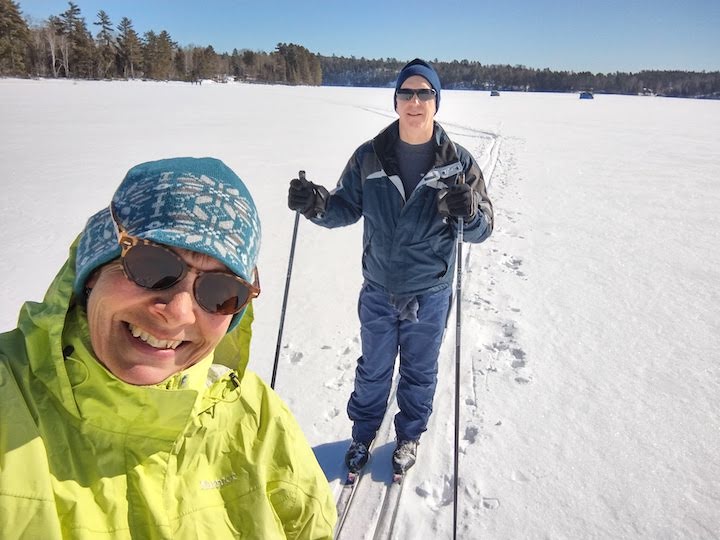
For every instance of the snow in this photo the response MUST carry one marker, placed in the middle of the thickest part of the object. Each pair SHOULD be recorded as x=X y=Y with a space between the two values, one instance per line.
x=590 y=387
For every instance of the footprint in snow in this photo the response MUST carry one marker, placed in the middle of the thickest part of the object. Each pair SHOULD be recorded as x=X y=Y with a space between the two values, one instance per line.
x=334 y=384
x=509 y=329
x=514 y=264
x=437 y=496
x=471 y=434
x=519 y=356
x=518 y=476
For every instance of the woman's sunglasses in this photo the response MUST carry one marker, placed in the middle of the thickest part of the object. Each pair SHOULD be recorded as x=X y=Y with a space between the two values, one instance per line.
x=423 y=94
x=155 y=267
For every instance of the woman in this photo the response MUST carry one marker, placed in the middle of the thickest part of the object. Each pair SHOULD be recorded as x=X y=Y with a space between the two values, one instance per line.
x=114 y=421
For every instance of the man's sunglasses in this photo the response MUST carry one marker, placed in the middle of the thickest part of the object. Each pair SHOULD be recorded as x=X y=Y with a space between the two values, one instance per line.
x=423 y=94
x=155 y=267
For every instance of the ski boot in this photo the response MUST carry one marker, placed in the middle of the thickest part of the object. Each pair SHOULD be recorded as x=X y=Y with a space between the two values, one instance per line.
x=403 y=458
x=357 y=456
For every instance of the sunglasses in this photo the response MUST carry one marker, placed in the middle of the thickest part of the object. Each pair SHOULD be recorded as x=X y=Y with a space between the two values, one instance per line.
x=156 y=267
x=423 y=94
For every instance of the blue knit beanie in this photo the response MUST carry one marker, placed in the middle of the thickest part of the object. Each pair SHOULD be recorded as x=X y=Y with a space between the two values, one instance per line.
x=198 y=204
x=425 y=70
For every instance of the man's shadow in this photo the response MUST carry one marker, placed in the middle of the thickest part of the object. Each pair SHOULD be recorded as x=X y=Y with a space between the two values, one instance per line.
x=331 y=457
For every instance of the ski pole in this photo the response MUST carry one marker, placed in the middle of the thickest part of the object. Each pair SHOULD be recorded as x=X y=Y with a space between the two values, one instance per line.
x=458 y=327
x=301 y=175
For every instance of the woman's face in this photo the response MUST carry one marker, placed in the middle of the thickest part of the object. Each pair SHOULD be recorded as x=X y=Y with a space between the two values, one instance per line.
x=144 y=336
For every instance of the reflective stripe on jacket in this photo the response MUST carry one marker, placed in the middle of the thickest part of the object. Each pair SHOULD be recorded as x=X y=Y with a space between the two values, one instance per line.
x=408 y=247
x=85 y=455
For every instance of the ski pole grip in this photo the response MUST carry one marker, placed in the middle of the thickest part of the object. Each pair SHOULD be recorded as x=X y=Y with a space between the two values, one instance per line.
x=461 y=178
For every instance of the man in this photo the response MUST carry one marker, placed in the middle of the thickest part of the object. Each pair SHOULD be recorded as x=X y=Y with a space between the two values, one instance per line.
x=114 y=422
x=410 y=183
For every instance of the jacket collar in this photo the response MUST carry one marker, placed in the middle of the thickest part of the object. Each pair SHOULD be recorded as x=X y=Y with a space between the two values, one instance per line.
x=160 y=411
x=385 y=141
x=61 y=358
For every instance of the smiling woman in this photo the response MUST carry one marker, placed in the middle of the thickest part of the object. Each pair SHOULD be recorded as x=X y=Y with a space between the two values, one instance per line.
x=124 y=343
x=147 y=315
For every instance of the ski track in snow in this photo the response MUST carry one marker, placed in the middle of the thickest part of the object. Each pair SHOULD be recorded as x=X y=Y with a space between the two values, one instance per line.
x=492 y=354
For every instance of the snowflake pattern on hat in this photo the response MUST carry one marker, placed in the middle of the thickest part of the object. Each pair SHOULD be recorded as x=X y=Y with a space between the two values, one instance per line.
x=198 y=204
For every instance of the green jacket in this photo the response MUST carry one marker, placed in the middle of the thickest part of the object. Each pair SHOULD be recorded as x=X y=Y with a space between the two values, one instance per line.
x=85 y=455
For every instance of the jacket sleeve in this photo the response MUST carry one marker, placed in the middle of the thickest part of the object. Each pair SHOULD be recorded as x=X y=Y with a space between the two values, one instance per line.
x=345 y=203
x=481 y=226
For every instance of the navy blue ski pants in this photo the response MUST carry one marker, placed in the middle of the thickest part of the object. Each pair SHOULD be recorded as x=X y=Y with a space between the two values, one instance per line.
x=383 y=334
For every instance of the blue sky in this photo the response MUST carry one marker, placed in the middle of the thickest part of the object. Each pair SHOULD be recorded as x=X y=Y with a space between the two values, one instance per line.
x=580 y=35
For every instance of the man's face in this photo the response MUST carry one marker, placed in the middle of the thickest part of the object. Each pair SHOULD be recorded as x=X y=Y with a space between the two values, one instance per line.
x=144 y=336
x=416 y=115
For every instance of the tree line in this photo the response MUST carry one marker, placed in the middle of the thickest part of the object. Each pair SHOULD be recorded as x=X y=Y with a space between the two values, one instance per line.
x=468 y=75
x=64 y=46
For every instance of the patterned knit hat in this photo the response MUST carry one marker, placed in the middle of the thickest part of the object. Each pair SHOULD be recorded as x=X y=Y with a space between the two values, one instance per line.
x=198 y=204
x=426 y=71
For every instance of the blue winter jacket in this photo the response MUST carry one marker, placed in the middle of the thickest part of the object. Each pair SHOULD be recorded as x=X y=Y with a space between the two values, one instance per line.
x=408 y=246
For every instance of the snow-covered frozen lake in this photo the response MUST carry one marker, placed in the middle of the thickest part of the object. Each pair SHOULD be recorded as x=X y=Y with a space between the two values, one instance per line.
x=591 y=328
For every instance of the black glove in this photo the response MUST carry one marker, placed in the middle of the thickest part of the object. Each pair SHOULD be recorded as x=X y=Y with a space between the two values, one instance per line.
x=459 y=200
x=301 y=196
x=307 y=198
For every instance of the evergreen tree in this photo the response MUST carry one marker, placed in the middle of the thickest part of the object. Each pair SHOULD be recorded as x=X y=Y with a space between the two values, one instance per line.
x=149 y=54
x=296 y=64
x=166 y=55
x=235 y=65
x=14 y=39
x=78 y=56
x=129 y=48
x=250 y=62
x=159 y=55
x=106 y=47
x=209 y=64
x=196 y=63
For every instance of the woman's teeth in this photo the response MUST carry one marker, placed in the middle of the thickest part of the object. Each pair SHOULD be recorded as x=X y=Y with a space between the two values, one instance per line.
x=152 y=340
